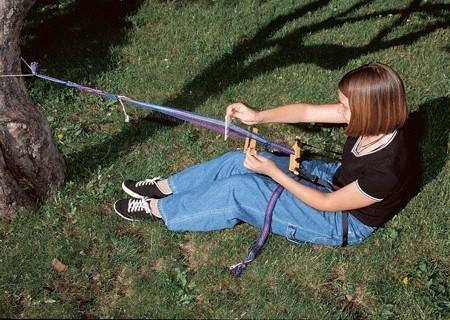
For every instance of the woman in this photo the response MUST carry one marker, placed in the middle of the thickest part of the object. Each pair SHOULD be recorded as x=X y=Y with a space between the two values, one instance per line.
x=372 y=178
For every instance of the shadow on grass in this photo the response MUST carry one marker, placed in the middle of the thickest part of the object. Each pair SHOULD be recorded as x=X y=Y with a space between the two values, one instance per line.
x=428 y=131
x=426 y=135
x=75 y=37
x=76 y=34
x=232 y=68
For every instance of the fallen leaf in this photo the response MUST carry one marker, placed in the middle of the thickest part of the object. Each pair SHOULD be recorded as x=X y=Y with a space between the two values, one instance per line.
x=58 y=265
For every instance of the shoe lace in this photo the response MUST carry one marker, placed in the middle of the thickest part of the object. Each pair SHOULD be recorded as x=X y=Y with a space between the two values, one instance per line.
x=139 y=205
x=148 y=182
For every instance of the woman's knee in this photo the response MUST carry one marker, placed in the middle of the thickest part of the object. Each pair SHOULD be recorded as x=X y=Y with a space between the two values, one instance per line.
x=234 y=156
x=233 y=161
x=249 y=190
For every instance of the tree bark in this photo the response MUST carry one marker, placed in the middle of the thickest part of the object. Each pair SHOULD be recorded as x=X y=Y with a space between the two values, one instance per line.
x=29 y=159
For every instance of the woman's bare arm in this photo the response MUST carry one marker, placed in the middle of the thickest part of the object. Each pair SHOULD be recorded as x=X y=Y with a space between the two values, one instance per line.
x=302 y=112
x=291 y=113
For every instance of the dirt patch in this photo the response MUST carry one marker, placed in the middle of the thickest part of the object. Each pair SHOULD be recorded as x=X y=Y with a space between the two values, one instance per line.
x=158 y=265
x=195 y=255
x=120 y=286
x=67 y=291
x=132 y=231
x=354 y=305
x=338 y=290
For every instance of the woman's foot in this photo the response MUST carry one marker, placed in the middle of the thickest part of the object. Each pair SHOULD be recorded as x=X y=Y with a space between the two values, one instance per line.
x=134 y=209
x=149 y=188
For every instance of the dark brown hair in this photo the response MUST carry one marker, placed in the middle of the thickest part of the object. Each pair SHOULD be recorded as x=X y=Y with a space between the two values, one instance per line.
x=377 y=100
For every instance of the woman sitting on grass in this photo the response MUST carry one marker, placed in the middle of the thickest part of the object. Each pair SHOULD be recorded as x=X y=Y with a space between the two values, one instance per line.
x=372 y=181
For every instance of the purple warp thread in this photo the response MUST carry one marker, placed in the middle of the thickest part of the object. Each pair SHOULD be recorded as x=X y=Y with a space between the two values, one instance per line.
x=192 y=117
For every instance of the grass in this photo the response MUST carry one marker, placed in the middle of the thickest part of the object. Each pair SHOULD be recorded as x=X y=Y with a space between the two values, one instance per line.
x=200 y=55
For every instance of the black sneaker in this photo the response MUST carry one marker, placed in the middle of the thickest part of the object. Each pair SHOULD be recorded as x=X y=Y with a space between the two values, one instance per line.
x=147 y=188
x=133 y=209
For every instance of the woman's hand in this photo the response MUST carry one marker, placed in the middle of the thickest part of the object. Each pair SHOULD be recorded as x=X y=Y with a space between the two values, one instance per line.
x=260 y=164
x=240 y=111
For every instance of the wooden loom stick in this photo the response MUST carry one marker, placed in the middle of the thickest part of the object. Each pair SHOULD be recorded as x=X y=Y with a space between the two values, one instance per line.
x=250 y=144
x=294 y=159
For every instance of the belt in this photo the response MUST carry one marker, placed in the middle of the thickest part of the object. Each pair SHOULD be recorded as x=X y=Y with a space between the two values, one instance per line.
x=344 y=228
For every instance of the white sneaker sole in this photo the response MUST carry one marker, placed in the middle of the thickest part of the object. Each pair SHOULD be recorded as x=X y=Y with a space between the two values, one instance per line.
x=131 y=193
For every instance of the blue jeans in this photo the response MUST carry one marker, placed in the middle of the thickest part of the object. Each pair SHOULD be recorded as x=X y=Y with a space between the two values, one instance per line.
x=220 y=193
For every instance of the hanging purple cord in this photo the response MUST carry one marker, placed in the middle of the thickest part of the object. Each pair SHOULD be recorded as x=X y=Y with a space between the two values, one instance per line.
x=238 y=268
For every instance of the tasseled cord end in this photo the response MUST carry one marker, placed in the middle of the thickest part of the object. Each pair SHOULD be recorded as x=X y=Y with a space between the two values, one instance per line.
x=237 y=269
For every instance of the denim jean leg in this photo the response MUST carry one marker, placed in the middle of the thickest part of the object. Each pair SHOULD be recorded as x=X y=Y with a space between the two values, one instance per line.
x=220 y=193
x=323 y=170
x=219 y=204
x=227 y=165
x=298 y=222
x=358 y=231
x=224 y=203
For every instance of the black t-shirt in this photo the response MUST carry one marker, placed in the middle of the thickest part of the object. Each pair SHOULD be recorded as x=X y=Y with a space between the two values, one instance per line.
x=381 y=175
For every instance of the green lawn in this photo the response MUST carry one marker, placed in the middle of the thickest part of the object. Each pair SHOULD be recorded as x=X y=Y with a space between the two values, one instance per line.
x=201 y=55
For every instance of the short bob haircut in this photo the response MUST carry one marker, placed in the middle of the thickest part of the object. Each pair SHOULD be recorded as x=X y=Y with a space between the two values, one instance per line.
x=377 y=100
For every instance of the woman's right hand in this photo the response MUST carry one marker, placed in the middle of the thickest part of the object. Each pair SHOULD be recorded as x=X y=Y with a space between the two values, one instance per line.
x=240 y=111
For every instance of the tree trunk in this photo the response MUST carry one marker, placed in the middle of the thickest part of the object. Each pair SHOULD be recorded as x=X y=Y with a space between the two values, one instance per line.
x=29 y=159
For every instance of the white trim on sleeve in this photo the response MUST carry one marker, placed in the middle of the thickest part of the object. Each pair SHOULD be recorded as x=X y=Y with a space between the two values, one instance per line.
x=367 y=195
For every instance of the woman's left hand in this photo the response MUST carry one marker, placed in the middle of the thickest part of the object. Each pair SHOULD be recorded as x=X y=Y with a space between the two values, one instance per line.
x=260 y=164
